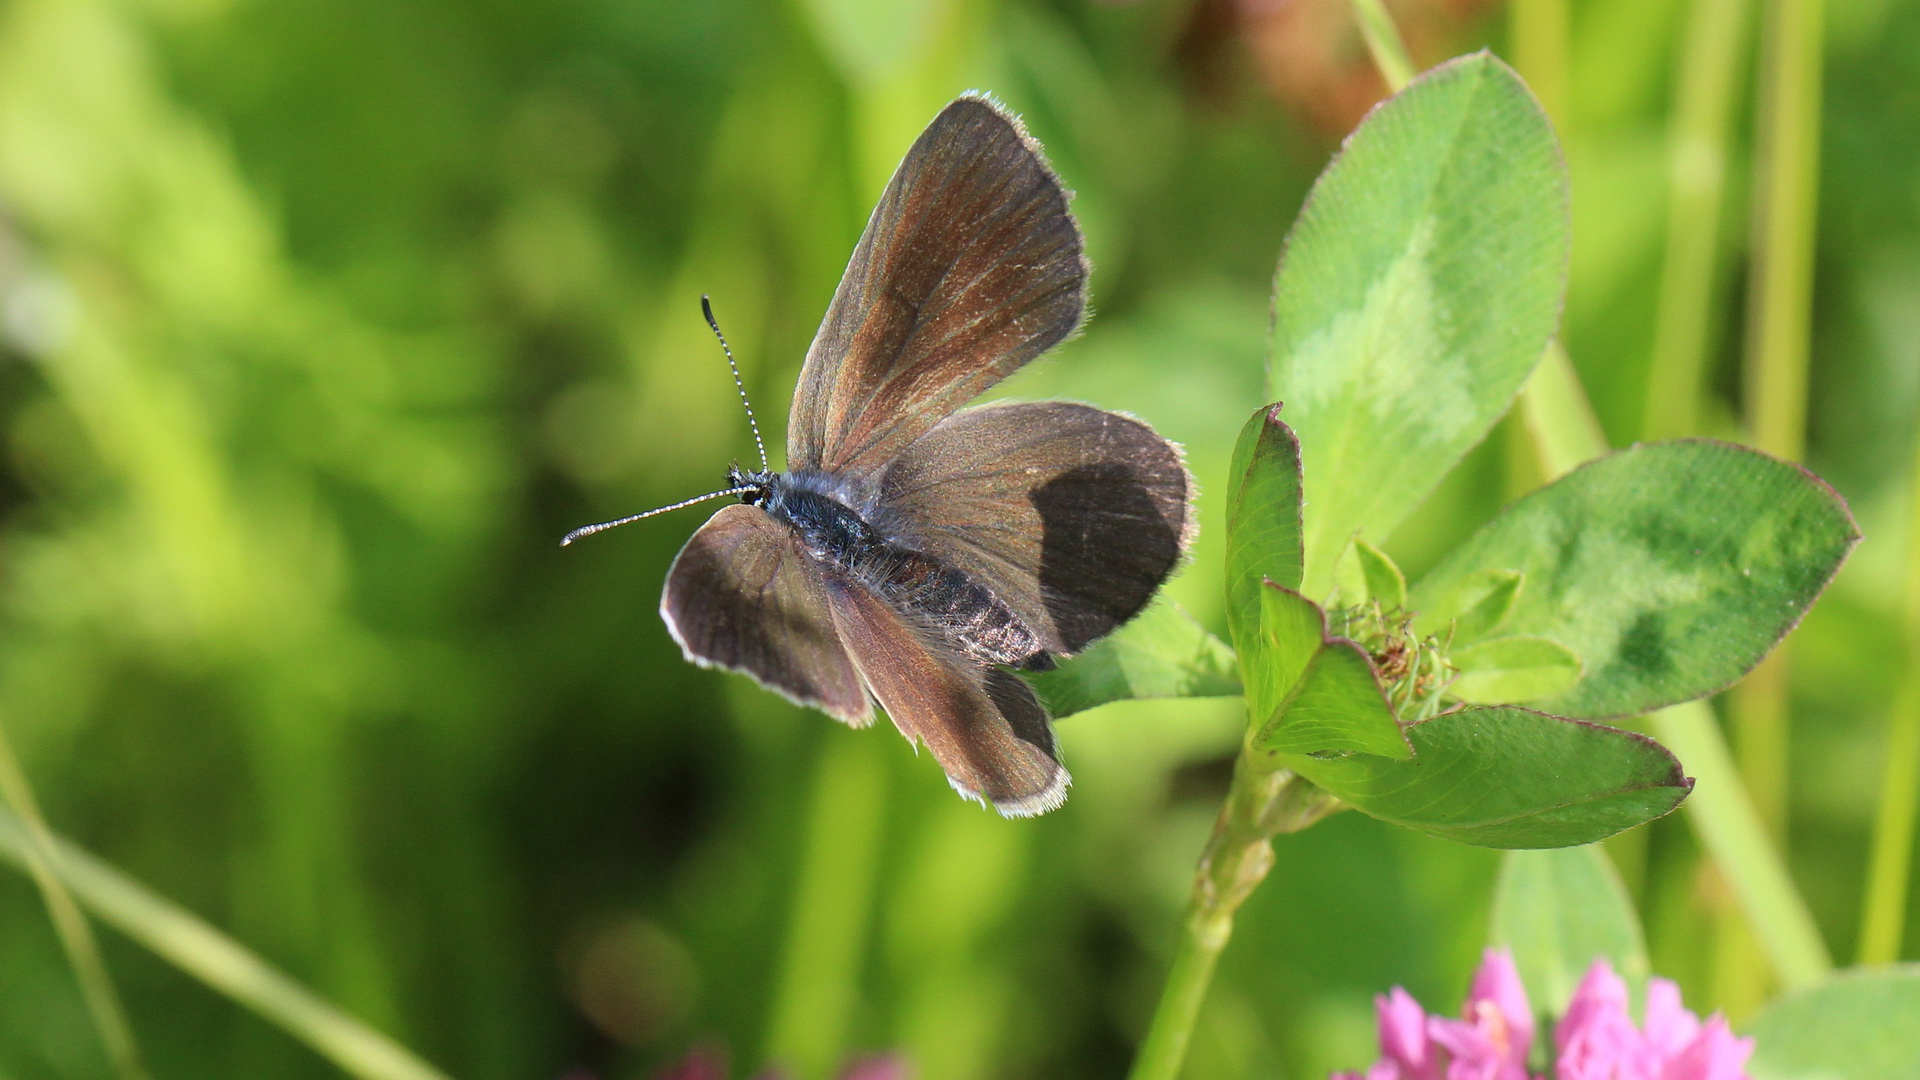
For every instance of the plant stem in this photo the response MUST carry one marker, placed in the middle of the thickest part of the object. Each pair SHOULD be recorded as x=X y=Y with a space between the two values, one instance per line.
x=76 y=934
x=1261 y=804
x=1384 y=42
x=1729 y=828
x=186 y=941
x=1780 y=300
x=1883 y=914
x=1779 y=311
x=1884 y=907
x=1721 y=812
x=1537 y=31
x=826 y=941
x=1558 y=416
x=1707 y=71
x=1558 y=428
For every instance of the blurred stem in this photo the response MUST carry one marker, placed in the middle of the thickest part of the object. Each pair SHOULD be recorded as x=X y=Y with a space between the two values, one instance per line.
x=1889 y=868
x=1719 y=808
x=1384 y=42
x=1558 y=428
x=1557 y=415
x=1779 y=310
x=1729 y=828
x=1564 y=433
x=184 y=940
x=1707 y=71
x=819 y=978
x=1780 y=301
x=1884 y=910
x=1538 y=31
x=76 y=934
x=1260 y=805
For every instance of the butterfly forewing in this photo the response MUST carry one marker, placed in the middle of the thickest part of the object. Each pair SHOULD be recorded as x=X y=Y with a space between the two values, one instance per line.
x=743 y=595
x=1071 y=515
x=982 y=723
x=970 y=267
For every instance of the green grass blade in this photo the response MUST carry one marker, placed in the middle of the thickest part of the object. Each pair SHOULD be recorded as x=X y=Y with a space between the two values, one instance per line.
x=1384 y=42
x=76 y=934
x=1890 y=866
x=1707 y=71
x=1729 y=828
x=190 y=944
x=819 y=983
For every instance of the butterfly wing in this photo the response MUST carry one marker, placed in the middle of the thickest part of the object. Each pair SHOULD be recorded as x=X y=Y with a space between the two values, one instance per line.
x=743 y=595
x=983 y=725
x=1071 y=515
x=970 y=267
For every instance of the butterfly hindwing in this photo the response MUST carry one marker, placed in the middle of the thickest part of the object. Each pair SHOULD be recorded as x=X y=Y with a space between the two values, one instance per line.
x=982 y=723
x=743 y=595
x=970 y=267
x=1072 y=516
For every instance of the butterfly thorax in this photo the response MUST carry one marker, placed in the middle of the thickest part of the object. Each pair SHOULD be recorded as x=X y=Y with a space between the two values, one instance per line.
x=942 y=598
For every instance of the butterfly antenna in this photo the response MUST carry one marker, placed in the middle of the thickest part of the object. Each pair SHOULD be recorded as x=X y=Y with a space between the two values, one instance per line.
x=706 y=307
x=589 y=530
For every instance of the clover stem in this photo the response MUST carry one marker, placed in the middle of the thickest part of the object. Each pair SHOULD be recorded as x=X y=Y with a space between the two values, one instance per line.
x=1261 y=803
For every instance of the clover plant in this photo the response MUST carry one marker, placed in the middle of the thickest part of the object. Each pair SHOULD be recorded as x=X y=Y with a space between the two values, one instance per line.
x=1418 y=288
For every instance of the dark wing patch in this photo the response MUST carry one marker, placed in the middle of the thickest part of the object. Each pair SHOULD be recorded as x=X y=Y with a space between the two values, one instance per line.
x=742 y=595
x=970 y=267
x=983 y=725
x=1072 y=516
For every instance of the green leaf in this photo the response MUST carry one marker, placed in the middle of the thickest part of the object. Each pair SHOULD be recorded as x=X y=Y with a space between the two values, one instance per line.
x=1558 y=911
x=1418 y=287
x=1501 y=776
x=1263 y=518
x=1162 y=653
x=1670 y=568
x=1365 y=573
x=1472 y=608
x=1309 y=691
x=1861 y=1025
x=1514 y=669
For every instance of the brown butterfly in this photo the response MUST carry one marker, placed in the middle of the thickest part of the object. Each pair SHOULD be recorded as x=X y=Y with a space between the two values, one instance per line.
x=916 y=551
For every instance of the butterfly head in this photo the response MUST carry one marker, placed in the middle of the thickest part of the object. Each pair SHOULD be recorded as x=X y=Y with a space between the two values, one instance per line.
x=751 y=485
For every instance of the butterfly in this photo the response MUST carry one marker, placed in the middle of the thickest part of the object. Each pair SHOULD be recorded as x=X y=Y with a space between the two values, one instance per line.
x=916 y=553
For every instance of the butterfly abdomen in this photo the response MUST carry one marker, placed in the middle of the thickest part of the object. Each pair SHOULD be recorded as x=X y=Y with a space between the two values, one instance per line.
x=939 y=597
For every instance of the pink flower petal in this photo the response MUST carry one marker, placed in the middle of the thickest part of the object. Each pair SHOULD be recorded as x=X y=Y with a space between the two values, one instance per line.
x=1596 y=1039
x=1713 y=1054
x=1497 y=985
x=1670 y=1027
x=883 y=1067
x=1403 y=1036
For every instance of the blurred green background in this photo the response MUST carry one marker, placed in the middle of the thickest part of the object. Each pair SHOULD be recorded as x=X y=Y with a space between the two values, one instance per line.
x=320 y=323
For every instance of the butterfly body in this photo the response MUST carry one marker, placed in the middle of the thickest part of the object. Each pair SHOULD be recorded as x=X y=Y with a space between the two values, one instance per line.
x=916 y=551
x=940 y=599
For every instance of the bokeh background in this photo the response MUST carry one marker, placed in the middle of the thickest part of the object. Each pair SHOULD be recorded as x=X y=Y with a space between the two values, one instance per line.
x=321 y=321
